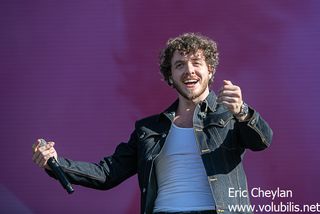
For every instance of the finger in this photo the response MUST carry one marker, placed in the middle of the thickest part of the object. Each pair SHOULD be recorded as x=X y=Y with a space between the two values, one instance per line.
x=229 y=93
x=42 y=148
x=227 y=82
x=51 y=153
x=234 y=108
x=227 y=104
x=35 y=146
x=43 y=162
x=48 y=154
x=42 y=151
x=231 y=88
x=231 y=105
x=51 y=143
x=46 y=147
x=232 y=100
x=38 y=143
x=39 y=159
x=35 y=156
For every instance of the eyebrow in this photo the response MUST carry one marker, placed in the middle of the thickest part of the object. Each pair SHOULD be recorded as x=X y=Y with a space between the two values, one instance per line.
x=179 y=61
x=192 y=59
x=196 y=58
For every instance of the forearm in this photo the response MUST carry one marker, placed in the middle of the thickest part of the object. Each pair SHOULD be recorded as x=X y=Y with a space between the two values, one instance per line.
x=92 y=175
x=82 y=173
x=254 y=132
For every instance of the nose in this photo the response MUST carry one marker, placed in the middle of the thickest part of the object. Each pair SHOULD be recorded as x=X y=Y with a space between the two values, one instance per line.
x=190 y=69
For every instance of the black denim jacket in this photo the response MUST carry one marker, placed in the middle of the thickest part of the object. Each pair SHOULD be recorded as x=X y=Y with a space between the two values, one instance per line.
x=222 y=141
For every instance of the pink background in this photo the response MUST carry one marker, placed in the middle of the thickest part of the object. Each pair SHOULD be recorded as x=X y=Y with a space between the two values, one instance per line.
x=81 y=72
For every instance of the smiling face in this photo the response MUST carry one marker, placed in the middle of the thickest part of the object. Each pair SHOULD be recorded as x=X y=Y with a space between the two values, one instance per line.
x=190 y=75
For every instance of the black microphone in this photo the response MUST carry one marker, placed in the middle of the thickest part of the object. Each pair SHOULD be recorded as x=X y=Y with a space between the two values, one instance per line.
x=57 y=171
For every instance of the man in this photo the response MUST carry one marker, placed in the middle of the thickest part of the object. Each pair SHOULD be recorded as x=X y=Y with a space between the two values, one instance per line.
x=189 y=156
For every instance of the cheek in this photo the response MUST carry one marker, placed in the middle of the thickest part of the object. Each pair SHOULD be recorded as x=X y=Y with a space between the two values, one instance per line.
x=205 y=74
x=176 y=75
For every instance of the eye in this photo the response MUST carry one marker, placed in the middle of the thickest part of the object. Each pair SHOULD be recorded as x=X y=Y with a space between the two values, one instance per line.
x=179 y=65
x=197 y=64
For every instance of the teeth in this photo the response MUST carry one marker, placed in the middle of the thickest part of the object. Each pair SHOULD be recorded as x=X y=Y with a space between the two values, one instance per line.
x=190 y=81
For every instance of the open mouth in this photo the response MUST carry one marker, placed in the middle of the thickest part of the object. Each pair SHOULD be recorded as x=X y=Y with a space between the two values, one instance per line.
x=190 y=82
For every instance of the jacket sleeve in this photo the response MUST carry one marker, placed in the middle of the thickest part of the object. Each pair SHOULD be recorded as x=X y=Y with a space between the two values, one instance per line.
x=109 y=172
x=254 y=134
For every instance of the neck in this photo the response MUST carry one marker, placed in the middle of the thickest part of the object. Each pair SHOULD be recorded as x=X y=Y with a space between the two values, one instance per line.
x=184 y=114
x=189 y=104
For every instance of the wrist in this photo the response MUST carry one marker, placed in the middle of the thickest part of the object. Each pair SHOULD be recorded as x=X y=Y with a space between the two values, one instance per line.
x=243 y=113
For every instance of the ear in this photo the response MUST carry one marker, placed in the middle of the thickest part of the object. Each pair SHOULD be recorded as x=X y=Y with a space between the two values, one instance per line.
x=212 y=71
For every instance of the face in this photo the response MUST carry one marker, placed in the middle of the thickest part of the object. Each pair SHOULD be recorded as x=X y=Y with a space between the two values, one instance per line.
x=190 y=75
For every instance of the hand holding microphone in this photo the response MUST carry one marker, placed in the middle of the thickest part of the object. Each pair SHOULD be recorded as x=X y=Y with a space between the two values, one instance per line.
x=45 y=156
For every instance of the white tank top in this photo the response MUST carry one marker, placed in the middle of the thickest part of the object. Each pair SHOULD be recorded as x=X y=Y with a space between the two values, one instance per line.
x=182 y=181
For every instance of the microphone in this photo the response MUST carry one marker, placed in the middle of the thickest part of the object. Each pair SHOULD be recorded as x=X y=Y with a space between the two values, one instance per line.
x=57 y=171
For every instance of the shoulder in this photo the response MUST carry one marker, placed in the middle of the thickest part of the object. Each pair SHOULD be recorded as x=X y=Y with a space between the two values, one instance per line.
x=153 y=125
x=147 y=121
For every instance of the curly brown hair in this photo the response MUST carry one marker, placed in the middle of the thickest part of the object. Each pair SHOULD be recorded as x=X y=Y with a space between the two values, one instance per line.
x=189 y=43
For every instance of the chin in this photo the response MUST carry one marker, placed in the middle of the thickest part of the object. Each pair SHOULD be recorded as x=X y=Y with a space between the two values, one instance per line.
x=190 y=95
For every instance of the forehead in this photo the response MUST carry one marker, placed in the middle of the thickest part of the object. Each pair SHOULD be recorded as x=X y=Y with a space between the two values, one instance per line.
x=179 y=55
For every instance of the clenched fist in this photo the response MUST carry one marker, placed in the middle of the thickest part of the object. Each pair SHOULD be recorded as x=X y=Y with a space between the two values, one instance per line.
x=41 y=154
x=231 y=97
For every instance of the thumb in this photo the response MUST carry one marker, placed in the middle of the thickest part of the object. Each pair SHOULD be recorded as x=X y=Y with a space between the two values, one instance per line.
x=227 y=82
x=36 y=144
x=51 y=143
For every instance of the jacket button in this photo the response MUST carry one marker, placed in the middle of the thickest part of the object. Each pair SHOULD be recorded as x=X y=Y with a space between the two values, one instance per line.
x=221 y=122
x=144 y=190
x=164 y=135
x=213 y=179
x=203 y=151
x=202 y=114
x=253 y=121
x=142 y=135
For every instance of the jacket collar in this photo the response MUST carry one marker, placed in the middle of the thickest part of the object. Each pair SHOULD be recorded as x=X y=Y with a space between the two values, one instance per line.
x=209 y=103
